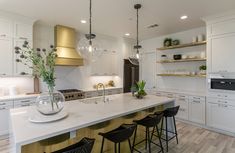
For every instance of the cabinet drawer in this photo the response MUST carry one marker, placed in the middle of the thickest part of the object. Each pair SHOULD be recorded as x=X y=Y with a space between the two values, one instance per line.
x=197 y=98
x=221 y=95
x=24 y=102
x=221 y=101
x=169 y=95
x=6 y=105
x=224 y=27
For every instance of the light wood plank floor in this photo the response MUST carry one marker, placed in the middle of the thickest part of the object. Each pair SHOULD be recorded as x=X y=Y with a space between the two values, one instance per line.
x=192 y=139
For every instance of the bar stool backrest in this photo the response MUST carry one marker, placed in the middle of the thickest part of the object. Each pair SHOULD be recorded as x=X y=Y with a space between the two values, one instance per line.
x=151 y=120
x=120 y=134
x=83 y=146
x=170 y=112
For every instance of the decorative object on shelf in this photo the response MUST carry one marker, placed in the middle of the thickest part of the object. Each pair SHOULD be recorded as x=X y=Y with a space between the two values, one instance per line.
x=194 y=39
x=182 y=46
x=202 y=69
x=184 y=56
x=177 y=57
x=164 y=57
x=43 y=61
x=200 y=38
x=140 y=93
x=203 y=55
x=175 y=42
x=111 y=83
x=167 y=42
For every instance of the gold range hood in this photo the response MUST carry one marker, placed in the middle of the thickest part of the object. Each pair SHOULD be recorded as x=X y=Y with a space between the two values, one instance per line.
x=65 y=43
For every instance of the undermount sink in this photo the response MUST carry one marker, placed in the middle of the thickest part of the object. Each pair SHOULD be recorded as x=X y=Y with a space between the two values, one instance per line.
x=96 y=100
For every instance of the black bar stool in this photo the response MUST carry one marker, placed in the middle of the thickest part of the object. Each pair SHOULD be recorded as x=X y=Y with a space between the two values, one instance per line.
x=118 y=135
x=169 y=112
x=150 y=121
x=83 y=146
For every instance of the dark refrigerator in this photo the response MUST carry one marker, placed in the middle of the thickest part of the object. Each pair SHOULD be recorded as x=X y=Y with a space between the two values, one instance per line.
x=131 y=75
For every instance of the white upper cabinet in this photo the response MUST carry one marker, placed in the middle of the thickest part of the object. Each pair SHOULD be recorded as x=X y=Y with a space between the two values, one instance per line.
x=6 y=57
x=105 y=65
x=223 y=53
x=221 y=40
x=20 y=69
x=23 y=31
x=14 y=30
x=6 y=28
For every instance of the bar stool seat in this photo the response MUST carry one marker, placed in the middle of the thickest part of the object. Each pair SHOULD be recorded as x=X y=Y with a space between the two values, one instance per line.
x=118 y=135
x=169 y=113
x=150 y=121
x=83 y=146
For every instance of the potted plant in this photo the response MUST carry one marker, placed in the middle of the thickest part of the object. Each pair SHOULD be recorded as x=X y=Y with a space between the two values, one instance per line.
x=140 y=92
x=43 y=65
x=202 y=69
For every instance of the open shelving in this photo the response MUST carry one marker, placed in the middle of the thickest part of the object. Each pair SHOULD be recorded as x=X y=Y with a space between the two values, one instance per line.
x=182 y=46
x=182 y=60
x=183 y=75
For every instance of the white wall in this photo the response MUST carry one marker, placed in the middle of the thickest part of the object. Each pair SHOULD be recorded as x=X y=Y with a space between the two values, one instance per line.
x=149 y=68
x=79 y=77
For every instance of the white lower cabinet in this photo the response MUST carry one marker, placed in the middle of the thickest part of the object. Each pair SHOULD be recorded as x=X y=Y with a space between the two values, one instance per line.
x=197 y=110
x=192 y=108
x=183 y=112
x=220 y=115
x=4 y=116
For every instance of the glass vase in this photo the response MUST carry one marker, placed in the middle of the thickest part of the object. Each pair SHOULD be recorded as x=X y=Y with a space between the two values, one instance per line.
x=50 y=103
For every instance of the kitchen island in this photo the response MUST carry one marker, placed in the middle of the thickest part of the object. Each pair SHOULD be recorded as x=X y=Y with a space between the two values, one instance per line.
x=85 y=119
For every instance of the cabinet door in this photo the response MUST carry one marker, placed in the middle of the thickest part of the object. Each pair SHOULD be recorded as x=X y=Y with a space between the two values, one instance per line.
x=221 y=116
x=183 y=110
x=4 y=116
x=23 y=31
x=6 y=58
x=223 y=53
x=197 y=111
x=19 y=68
x=6 y=28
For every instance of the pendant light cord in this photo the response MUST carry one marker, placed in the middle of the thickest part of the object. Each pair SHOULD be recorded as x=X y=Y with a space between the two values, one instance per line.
x=137 y=30
x=90 y=19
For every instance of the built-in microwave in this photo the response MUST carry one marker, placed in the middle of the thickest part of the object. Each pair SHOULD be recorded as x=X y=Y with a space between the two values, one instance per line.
x=224 y=82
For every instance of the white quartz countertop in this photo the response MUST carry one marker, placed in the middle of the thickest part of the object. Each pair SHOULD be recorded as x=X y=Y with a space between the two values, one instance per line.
x=80 y=115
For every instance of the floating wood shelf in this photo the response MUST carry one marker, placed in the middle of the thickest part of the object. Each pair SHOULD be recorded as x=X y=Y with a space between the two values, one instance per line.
x=182 y=60
x=183 y=45
x=183 y=75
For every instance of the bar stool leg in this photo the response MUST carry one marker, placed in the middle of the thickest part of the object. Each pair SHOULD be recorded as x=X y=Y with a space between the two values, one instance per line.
x=166 y=135
x=129 y=142
x=133 y=145
x=176 y=134
x=119 y=147
x=159 y=138
x=102 y=146
x=115 y=147
x=162 y=125
x=146 y=137
x=149 y=140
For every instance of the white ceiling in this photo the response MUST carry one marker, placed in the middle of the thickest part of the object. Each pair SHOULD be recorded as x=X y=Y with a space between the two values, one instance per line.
x=117 y=17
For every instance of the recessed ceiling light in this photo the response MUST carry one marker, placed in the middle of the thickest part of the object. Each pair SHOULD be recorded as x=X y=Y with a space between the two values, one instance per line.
x=183 y=17
x=83 y=21
x=127 y=34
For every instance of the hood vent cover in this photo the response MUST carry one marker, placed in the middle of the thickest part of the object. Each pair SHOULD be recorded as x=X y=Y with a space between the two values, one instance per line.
x=65 y=42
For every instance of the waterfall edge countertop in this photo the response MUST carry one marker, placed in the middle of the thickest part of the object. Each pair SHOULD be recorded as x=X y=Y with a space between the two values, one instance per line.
x=80 y=115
